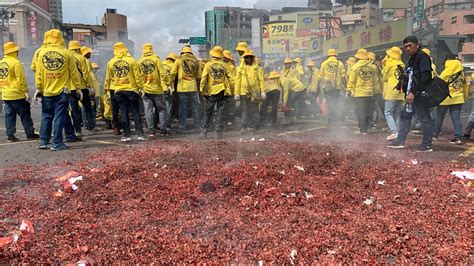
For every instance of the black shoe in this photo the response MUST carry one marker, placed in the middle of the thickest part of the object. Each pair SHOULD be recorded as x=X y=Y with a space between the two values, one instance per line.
x=422 y=148
x=467 y=136
x=32 y=137
x=76 y=139
x=396 y=145
x=12 y=139
x=108 y=124
x=456 y=141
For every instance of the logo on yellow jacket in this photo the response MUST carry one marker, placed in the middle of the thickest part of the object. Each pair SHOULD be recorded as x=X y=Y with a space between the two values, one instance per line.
x=4 y=70
x=190 y=68
x=332 y=67
x=147 y=66
x=121 y=68
x=217 y=71
x=366 y=72
x=53 y=60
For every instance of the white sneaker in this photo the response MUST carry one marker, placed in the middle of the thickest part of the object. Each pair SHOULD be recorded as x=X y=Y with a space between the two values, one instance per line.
x=126 y=139
x=357 y=132
x=141 y=138
x=392 y=137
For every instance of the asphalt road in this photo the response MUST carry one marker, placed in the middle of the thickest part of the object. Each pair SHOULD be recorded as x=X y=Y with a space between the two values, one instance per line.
x=25 y=152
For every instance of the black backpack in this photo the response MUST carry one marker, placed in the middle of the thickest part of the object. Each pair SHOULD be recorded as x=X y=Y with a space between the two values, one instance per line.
x=438 y=91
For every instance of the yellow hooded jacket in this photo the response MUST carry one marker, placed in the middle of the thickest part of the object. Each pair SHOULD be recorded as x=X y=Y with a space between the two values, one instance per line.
x=298 y=72
x=249 y=77
x=390 y=74
x=378 y=89
x=232 y=70
x=123 y=73
x=188 y=71
x=153 y=72
x=290 y=84
x=12 y=78
x=272 y=85
x=56 y=69
x=362 y=81
x=215 y=78
x=333 y=71
x=314 y=80
x=458 y=89
x=167 y=66
x=84 y=68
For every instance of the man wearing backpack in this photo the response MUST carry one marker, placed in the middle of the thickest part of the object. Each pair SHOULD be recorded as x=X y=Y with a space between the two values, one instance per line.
x=420 y=64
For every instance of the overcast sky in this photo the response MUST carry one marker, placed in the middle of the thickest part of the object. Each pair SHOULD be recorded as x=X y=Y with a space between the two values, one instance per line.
x=161 y=22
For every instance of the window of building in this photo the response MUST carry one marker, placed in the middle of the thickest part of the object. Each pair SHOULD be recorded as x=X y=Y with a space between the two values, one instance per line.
x=469 y=19
x=280 y=17
x=454 y=20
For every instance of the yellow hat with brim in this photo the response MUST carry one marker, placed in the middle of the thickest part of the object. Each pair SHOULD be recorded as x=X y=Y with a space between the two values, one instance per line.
x=10 y=47
x=395 y=52
x=94 y=65
x=241 y=46
x=351 y=60
x=361 y=54
x=85 y=50
x=332 y=52
x=217 y=52
x=288 y=61
x=55 y=37
x=120 y=48
x=172 y=56
x=228 y=55
x=74 y=45
x=274 y=75
x=426 y=51
x=372 y=56
x=186 y=49
x=297 y=60
x=311 y=64
x=248 y=53
x=147 y=48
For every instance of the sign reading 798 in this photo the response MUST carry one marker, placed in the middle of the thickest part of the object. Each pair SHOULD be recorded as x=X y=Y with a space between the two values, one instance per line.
x=279 y=30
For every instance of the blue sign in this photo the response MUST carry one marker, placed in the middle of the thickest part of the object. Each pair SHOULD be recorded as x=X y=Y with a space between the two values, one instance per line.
x=308 y=20
x=315 y=44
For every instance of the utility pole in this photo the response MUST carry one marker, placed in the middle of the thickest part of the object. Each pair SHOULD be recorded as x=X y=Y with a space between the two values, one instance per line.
x=410 y=17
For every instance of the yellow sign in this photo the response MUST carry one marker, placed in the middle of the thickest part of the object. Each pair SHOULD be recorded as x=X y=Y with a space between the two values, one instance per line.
x=395 y=4
x=307 y=22
x=293 y=45
x=279 y=30
x=382 y=34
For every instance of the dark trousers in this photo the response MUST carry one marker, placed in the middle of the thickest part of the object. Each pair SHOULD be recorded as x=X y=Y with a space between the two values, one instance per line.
x=273 y=97
x=250 y=113
x=313 y=108
x=76 y=111
x=53 y=118
x=230 y=109
x=363 y=109
x=114 y=104
x=130 y=101
x=455 y=113
x=23 y=110
x=424 y=116
x=296 y=101
x=69 y=128
x=212 y=102
x=377 y=104
x=332 y=100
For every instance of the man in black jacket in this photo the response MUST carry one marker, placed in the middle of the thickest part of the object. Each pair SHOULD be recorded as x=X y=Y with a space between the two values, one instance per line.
x=420 y=63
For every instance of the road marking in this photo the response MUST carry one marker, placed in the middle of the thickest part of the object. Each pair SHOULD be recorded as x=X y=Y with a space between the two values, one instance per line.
x=300 y=131
x=104 y=142
x=468 y=152
x=20 y=142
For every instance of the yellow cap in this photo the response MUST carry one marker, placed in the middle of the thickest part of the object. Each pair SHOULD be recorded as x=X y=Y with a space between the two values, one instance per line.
x=228 y=55
x=371 y=56
x=395 y=53
x=217 y=52
x=172 y=56
x=186 y=49
x=94 y=65
x=55 y=37
x=242 y=47
x=10 y=47
x=85 y=50
x=351 y=61
x=427 y=51
x=147 y=48
x=274 y=75
x=298 y=60
x=120 y=48
x=361 y=54
x=332 y=52
x=288 y=60
x=248 y=53
x=311 y=64
x=74 y=45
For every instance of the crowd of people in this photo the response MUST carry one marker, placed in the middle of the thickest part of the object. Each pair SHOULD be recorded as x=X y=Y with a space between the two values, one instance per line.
x=216 y=91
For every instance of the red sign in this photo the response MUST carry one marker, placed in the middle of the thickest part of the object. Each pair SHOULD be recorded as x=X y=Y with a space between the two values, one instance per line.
x=33 y=26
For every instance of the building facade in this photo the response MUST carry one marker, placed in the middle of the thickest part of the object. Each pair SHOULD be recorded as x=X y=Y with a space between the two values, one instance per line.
x=56 y=9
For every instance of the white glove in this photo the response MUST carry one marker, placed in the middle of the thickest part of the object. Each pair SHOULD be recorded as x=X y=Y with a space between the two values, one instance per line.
x=142 y=93
x=27 y=96
x=264 y=96
x=79 y=95
x=91 y=93
x=169 y=89
x=38 y=95
x=237 y=97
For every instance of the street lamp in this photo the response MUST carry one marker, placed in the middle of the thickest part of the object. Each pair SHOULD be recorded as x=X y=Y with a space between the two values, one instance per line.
x=4 y=15
x=230 y=35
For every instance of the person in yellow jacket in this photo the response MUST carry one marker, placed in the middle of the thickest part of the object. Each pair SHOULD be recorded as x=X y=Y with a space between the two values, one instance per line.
x=378 y=102
x=273 y=95
x=433 y=66
x=15 y=94
x=56 y=80
x=453 y=73
x=294 y=93
x=297 y=69
x=349 y=63
x=34 y=60
x=332 y=80
x=287 y=68
x=124 y=78
x=231 y=104
x=313 y=88
x=241 y=48
x=249 y=89
x=393 y=68
x=85 y=86
x=470 y=121
x=95 y=91
x=349 y=108
x=361 y=86
x=215 y=88
x=188 y=72
x=154 y=86
x=170 y=96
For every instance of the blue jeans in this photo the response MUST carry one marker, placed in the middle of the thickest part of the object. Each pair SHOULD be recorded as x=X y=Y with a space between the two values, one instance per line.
x=423 y=114
x=455 y=113
x=214 y=102
x=23 y=110
x=392 y=109
x=130 y=101
x=186 y=98
x=168 y=108
x=53 y=118
x=470 y=122
x=333 y=104
x=154 y=111
x=69 y=128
